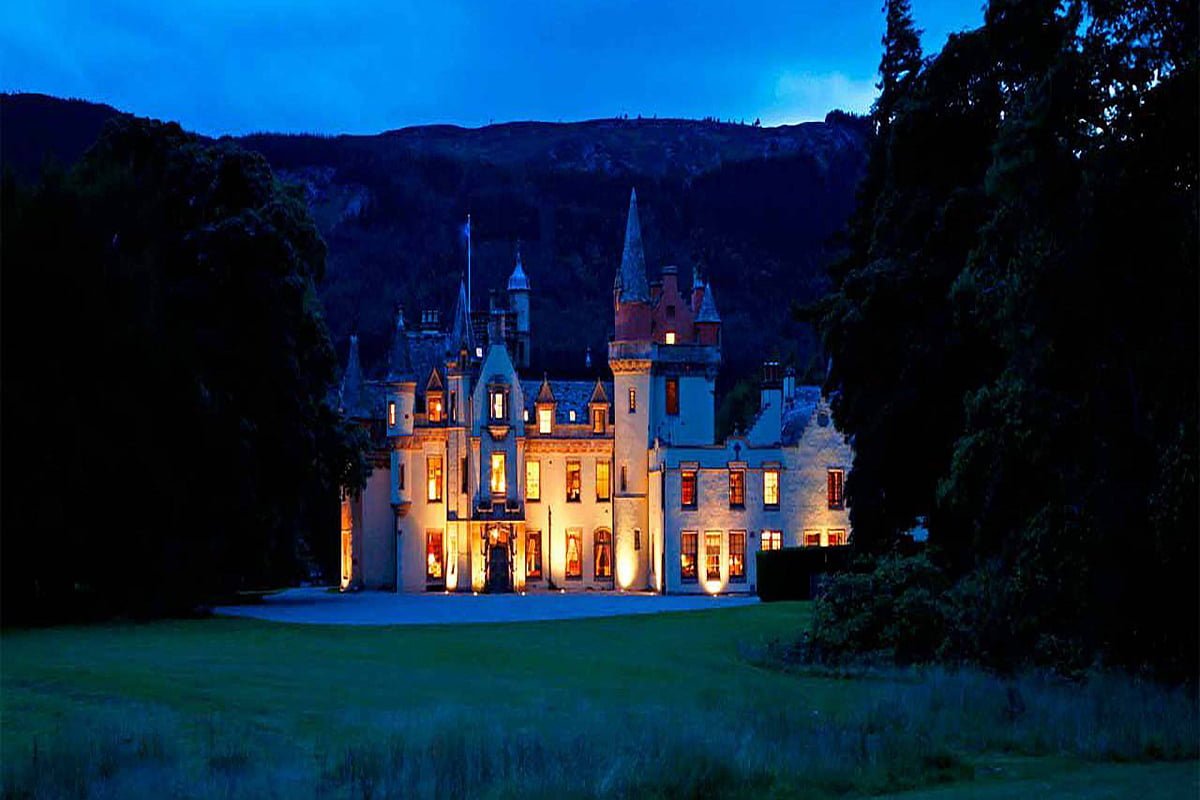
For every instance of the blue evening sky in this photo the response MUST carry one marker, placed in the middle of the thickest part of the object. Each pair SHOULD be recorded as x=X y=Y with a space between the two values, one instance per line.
x=237 y=66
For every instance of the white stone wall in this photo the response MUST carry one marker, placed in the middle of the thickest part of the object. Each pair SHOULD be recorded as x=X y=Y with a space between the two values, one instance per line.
x=694 y=425
x=821 y=448
x=553 y=515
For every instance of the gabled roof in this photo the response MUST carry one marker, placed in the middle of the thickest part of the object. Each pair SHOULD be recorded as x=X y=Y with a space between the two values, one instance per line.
x=545 y=393
x=631 y=278
x=435 y=382
x=598 y=395
x=568 y=396
x=399 y=361
x=518 y=281
x=708 y=307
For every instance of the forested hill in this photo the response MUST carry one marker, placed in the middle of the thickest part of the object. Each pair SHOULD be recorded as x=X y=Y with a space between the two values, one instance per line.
x=754 y=207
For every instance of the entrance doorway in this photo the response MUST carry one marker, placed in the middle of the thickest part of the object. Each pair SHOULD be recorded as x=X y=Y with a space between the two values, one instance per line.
x=498 y=559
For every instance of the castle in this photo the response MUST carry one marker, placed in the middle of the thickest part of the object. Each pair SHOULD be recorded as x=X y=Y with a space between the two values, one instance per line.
x=485 y=481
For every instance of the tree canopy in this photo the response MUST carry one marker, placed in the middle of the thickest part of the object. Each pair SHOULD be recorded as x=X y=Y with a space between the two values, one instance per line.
x=167 y=371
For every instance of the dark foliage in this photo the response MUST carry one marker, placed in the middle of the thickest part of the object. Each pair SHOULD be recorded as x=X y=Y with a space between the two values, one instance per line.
x=167 y=435
x=1014 y=332
x=797 y=573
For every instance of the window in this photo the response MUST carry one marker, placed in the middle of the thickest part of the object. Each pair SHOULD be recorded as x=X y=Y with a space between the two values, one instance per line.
x=574 y=553
x=525 y=414
x=454 y=406
x=737 y=488
x=479 y=352
x=670 y=315
x=603 y=562
x=392 y=413
x=771 y=488
x=712 y=555
x=435 y=557
x=812 y=538
x=499 y=405
x=574 y=481
x=433 y=479
x=545 y=420
x=533 y=481
x=435 y=408
x=836 y=537
x=499 y=484
x=533 y=555
x=687 y=556
x=632 y=400
x=597 y=420
x=687 y=488
x=464 y=477
x=637 y=538
x=400 y=478
x=837 y=499
x=673 y=396
x=669 y=337
x=571 y=415
x=772 y=540
x=602 y=481
x=737 y=556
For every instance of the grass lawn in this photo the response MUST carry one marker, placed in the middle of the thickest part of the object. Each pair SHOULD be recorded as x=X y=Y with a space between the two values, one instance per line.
x=663 y=705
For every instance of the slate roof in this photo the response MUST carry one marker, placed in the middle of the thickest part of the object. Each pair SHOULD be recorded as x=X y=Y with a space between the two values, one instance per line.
x=399 y=360
x=352 y=396
x=798 y=413
x=518 y=280
x=428 y=352
x=568 y=396
x=631 y=278
x=708 y=307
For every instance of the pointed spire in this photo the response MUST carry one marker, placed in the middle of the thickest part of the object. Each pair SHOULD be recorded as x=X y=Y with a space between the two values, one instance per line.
x=460 y=328
x=631 y=281
x=697 y=279
x=708 y=307
x=350 y=394
x=545 y=394
x=518 y=281
x=399 y=362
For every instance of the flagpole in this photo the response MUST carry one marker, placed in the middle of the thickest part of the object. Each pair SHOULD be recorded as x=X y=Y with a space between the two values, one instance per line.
x=468 y=266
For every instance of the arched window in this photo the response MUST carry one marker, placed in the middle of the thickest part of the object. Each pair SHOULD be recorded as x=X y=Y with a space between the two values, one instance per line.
x=603 y=562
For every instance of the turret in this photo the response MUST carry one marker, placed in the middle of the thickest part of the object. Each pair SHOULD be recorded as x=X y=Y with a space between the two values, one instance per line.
x=401 y=381
x=631 y=290
x=708 y=321
x=518 y=303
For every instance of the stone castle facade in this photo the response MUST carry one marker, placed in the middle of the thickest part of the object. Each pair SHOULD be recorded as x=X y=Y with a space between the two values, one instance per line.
x=487 y=481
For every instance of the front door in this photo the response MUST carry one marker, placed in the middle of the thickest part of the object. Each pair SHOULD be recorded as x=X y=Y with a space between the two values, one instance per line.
x=499 y=575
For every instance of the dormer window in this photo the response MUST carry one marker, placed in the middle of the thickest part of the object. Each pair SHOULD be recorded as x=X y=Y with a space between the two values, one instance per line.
x=498 y=405
x=545 y=420
x=434 y=408
x=597 y=420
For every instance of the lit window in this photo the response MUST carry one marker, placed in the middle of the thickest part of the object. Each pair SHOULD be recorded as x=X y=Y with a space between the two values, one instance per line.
x=435 y=557
x=479 y=352
x=670 y=337
x=712 y=555
x=632 y=400
x=771 y=488
x=498 y=404
x=392 y=414
x=602 y=481
x=836 y=537
x=812 y=538
x=533 y=481
x=574 y=481
x=673 y=396
x=574 y=553
x=525 y=414
x=597 y=420
x=435 y=409
x=433 y=479
x=837 y=498
x=603 y=555
x=545 y=420
x=571 y=415
x=533 y=555
x=499 y=484
x=687 y=488
x=772 y=540
x=737 y=556
x=688 y=544
x=737 y=488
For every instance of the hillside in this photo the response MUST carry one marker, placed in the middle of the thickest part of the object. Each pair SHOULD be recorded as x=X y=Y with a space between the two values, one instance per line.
x=753 y=207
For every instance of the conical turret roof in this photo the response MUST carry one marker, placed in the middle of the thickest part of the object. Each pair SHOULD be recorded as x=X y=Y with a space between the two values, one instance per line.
x=545 y=394
x=631 y=280
x=460 y=328
x=518 y=281
x=351 y=393
x=399 y=362
x=708 y=307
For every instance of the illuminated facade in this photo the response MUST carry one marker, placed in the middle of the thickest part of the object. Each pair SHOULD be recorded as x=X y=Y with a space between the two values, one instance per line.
x=483 y=481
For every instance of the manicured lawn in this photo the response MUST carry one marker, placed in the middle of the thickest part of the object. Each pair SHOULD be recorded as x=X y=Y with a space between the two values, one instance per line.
x=231 y=707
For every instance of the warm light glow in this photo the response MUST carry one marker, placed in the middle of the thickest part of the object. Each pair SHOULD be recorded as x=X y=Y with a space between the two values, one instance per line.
x=498 y=404
x=435 y=409
x=571 y=415
x=533 y=480
x=545 y=420
x=603 y=487
x=626 y=563
x=771 y=487
x=392 y=413
x=499 y=482
x=670 y=337
x=433 y=476
x=574 y=481
x=574 y=553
